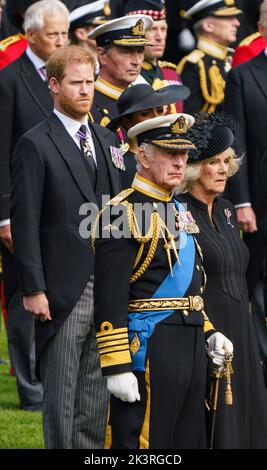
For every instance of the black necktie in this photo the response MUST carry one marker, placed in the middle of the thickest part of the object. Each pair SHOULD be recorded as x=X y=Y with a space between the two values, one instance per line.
x=86 y=149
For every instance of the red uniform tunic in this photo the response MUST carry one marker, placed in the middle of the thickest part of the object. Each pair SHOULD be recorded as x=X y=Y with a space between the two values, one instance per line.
x=12 y=48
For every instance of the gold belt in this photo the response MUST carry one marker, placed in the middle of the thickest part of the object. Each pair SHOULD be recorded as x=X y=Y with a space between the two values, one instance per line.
x=192 y=302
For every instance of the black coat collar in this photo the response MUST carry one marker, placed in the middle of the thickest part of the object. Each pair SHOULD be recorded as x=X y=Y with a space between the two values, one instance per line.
x=66 y=146
x=37 y=88
x=258 y=67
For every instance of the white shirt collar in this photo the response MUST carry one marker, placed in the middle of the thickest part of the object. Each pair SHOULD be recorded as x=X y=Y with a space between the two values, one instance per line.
x=37 y=61
x=265 y=51
x=71 y=125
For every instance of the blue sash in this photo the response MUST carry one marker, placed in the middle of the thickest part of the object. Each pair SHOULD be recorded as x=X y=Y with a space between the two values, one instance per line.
x=143 y=323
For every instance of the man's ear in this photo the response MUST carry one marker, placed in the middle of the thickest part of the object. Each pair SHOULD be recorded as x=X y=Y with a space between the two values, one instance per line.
x=143 y=158
x=54 y=85
x=81 y=34
x=101 y=54
x=260 y=28
x=30 y=36
x=208 y=25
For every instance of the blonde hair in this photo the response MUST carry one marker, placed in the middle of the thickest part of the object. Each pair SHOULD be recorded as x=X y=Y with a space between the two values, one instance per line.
x=63 y=56
x=193 y=170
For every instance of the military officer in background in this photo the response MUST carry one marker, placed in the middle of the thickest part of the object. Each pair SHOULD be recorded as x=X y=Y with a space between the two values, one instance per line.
x=204 y=70
x=120 y=49
x=84 y=18
x=149 y=313
x=156 y=72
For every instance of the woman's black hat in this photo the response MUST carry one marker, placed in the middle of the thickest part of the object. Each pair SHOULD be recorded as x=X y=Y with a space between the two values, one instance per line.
x=140 y=97
x=212 y=134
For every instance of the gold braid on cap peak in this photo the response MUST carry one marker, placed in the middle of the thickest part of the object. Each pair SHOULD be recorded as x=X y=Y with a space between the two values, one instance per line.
x=217 y=87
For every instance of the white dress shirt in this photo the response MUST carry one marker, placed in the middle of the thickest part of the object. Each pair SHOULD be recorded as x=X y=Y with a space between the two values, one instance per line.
x=37 y=62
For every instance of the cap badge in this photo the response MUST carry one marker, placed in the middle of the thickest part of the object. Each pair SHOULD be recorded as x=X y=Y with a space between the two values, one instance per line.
x=106 y=9
x=138 y=29
x=229 y=3
x=180 y=126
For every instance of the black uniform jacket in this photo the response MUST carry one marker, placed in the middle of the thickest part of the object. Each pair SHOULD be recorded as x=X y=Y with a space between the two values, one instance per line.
x=204 y=71
x=115 y=286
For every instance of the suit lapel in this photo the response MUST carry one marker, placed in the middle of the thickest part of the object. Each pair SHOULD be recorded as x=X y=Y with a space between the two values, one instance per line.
x=258 y=68
x=70 y=153
x=37 y=88
x=113 y=172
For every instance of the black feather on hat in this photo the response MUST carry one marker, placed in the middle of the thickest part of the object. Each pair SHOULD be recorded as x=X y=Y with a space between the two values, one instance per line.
x=214 y=133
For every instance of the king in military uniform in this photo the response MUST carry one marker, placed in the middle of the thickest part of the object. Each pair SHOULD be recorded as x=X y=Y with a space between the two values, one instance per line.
x=151 y=325
x=156 y=72
x=120 y=49
x=204 y=70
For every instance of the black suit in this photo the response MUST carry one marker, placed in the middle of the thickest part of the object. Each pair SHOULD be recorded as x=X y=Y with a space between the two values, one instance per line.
x=25 y=101
x=60 y=261
x=51 y=182
x=246 y=100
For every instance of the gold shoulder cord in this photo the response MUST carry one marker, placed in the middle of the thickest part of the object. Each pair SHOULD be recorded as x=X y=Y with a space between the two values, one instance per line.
x=217 y=87
x=152 y=235
x=180 y=66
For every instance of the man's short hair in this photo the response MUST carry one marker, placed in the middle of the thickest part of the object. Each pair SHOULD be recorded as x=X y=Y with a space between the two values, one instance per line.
x=63 y=56
x=34 y=15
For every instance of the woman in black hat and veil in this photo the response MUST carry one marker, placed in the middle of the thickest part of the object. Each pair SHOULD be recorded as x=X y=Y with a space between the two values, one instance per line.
x=136 y=104
x=225 y=257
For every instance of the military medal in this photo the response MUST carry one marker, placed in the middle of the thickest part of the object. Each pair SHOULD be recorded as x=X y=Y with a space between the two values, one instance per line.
x=117 y=158
x=135 y=344
x=87 y=148
x=185 y=222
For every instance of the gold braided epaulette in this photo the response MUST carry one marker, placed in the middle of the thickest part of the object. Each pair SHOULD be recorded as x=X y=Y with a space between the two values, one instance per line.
x=249 y=39
x=5 y=43
x=194 y=57
x=164 y=63
x=112 y=202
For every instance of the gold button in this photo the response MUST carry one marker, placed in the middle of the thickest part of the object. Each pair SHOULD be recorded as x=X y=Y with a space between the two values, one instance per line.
x=197 y=266
x=185 y=312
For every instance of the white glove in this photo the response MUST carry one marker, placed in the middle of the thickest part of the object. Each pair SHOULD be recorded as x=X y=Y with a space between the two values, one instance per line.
x=217 y=346
x=124 y=386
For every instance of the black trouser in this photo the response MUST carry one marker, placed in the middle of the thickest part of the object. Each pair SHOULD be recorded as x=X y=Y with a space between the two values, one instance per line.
x=177 y=382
